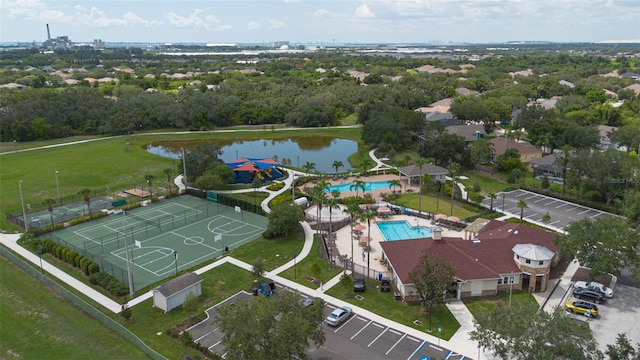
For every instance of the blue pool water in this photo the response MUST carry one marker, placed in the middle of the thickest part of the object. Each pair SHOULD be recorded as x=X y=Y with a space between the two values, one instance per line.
x=374 y=185
x=401 y=230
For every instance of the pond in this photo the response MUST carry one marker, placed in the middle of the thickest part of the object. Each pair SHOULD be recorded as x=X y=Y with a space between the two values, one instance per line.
x=296 y=151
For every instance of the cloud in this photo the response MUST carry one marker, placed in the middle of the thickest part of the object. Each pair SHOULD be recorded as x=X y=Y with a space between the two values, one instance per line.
x=321 y=13
x=363 y=11
x=276 y=24
x=196 y=20
x=32 y=10
x=253 y=26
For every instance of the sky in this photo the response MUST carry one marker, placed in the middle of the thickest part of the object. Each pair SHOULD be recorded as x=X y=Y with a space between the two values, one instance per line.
x=321 y=21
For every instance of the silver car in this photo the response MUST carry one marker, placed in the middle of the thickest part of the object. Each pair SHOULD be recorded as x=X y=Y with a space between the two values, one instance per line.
x=338 y=316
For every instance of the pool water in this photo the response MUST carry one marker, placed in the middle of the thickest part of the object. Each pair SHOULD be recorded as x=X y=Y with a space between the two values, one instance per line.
x=374 y=185
x=401 y=230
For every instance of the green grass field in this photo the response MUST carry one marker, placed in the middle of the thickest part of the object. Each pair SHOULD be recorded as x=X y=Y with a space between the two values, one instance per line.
x=433 y=205
x=37 y=324
x=104 y=163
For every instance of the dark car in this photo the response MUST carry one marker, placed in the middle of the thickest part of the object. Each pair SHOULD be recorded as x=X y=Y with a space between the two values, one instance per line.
x=358 y=283
x=590 y=295
x=385 y=284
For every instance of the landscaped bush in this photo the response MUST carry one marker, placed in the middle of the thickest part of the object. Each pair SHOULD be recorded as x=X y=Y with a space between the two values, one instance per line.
x=268 y=234
x=108 y=282
x=276 y=186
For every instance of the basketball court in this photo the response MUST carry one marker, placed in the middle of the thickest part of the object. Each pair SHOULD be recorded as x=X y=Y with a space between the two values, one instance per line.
x=163 y=238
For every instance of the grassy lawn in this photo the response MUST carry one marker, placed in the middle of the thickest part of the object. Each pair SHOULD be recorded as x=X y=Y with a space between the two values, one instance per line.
x=147 y=321
x=37 y=324
x=274 y=252
x=486 y=304
x=487 y=183
x=433 y=205
x=386 y=306
x=303 y=269
x=106 y=163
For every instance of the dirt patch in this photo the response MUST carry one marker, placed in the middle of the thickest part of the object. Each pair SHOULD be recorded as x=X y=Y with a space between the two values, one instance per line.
x=557 y=271
x=582 y=274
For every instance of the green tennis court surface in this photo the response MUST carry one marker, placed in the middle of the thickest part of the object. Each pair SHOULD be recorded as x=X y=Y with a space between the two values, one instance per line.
x=162 y=238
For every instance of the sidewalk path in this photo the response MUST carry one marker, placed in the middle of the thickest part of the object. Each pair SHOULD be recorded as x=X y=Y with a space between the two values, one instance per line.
x=11 y=242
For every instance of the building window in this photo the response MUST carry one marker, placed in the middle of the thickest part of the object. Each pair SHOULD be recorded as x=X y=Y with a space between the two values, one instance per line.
x=518 y=257
x=541 y=262
x=528 y=261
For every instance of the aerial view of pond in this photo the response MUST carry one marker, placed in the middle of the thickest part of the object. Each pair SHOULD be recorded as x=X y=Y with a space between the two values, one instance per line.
x=320 y=150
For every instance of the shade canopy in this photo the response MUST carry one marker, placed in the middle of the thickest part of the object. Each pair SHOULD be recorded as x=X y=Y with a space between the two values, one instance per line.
x=453 y=218
x=365 y=240
x=359 y=227
x=441 y=216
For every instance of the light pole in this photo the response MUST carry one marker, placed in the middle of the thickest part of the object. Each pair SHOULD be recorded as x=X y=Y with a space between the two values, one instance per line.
x=40 y=256
x=298 y=157
x=295 y=271
x=184 y=167
x=237 y=155
x=24 y=213
x=126 y=249
x=175 y=257
x=479 y=346
x=293 y=188
x=502 y=203
x=15 y=145
x=58 y=188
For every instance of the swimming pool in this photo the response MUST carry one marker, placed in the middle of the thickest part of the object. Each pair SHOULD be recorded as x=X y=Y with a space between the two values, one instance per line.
x=401 y=230
x=374 y=185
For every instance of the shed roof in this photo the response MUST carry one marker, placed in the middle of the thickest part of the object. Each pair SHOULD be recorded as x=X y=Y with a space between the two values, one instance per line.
x=178 y=284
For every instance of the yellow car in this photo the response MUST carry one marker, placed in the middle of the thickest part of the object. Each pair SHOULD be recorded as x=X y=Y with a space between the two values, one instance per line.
x=581 y=307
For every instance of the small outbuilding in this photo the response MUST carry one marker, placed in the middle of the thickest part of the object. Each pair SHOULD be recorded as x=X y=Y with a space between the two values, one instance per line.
x=174 y=292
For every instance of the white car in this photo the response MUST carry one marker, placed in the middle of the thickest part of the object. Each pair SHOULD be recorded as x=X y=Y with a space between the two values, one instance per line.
x=338 y=316
x=594 y=286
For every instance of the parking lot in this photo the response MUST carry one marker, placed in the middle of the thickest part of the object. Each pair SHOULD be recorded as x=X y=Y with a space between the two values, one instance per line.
x=618 y=315
x=561 y=212
x=357 y=338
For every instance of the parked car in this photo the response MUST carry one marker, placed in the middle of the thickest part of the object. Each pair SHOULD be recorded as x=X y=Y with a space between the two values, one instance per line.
x=358 y=283
x=591 y=295
x=338 y=316
x=592 y=285
x=581 y=307
x=385 y=284
x=310 y=301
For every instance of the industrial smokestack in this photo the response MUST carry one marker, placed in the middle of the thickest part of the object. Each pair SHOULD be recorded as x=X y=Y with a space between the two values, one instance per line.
x=48 y=33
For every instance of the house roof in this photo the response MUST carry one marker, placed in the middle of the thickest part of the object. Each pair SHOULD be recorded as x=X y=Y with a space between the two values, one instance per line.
x=605 y=133
x=634 y=87
x=466 y=92
x=178 y=284
x=430 y=169
x=487 y=257
x=500 y=145
x=544 y=161
x=468 y=132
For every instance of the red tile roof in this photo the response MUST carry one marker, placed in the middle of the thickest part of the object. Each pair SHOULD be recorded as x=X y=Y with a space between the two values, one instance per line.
x=487 y=258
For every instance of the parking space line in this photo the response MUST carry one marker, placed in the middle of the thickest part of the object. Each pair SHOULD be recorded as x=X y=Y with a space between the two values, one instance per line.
x=549 y=203
x=359 y=331
x=554 y=222
x=394 y=345
x=418 y=349
x=531 y=197
x=394 y=331
x=558 y=207
x=214 y=345
x=435 y=347
x=200 y=338
x=343 y=324
x=541 y=199
x=377 y=337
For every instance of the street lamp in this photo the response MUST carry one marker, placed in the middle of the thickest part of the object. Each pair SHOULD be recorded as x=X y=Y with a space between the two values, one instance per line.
x=479 y=346
x=126 y=249
x=24 y=213
x=503 y=203
x=58 y=188
x=175 y=257
x=295 y=272
x=293 y=188
x=40 y=256
x=15 y=145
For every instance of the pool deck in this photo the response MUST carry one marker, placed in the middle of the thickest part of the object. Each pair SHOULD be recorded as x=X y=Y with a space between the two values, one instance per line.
x=344 y=240
x=376 y=194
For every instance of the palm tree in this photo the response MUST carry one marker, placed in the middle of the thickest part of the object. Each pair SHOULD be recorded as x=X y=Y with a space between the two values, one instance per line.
x=357 y=184
x=522 y=205
x=453 y=168
x=168 y=172
x=419 y=164
x=331 y=203
x=481 y=153
x=492 y=196
x=564 y=157
x=319 y=198
x=86 y=194
x=366 y=165
x=367 y=216
x=337 y=165
x=49 y=203
x=309 y=167
x=335 y=193
x=394 y=183
x=149 y=179
x=352 y=210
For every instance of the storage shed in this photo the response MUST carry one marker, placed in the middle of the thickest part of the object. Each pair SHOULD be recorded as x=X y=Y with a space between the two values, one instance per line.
x=174 y=292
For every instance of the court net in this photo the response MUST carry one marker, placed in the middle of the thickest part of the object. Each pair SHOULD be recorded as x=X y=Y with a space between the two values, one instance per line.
x=144 y=220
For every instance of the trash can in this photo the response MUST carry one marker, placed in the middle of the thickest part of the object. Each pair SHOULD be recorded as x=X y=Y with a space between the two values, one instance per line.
x=397 y=296
x=255 y=291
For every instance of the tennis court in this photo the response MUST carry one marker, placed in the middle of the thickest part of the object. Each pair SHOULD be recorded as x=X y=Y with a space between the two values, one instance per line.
x=162 y=238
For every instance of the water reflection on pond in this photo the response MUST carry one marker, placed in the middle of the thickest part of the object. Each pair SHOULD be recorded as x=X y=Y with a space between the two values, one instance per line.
x=321 y=150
